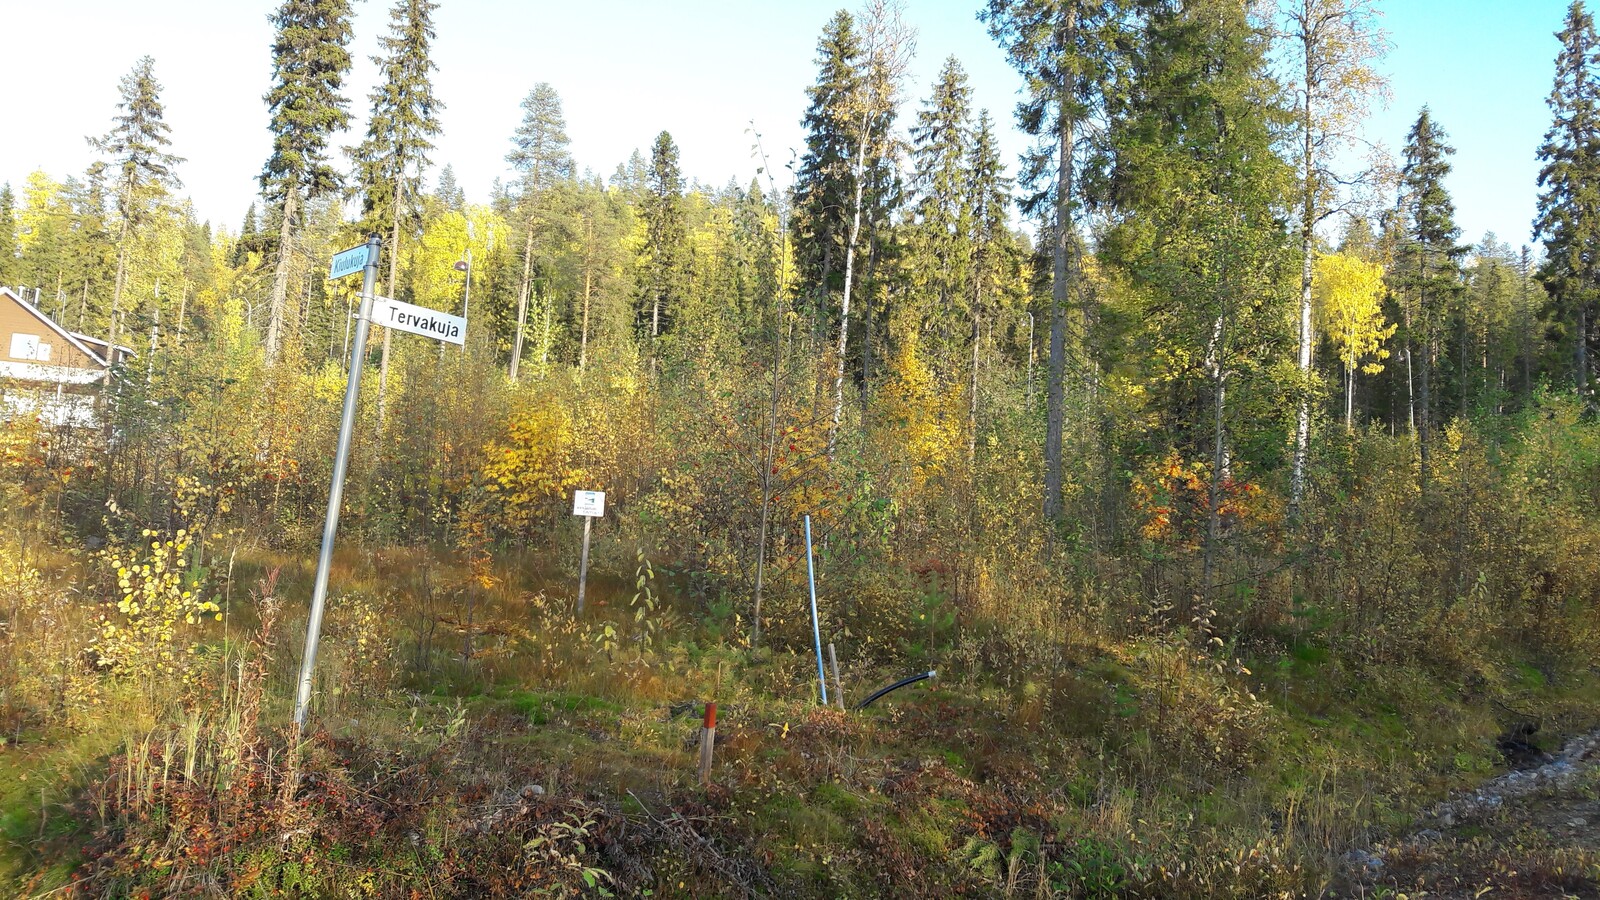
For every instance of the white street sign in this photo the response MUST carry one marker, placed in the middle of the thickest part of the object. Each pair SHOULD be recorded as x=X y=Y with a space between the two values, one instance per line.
x=419 y=320
x=589 y=503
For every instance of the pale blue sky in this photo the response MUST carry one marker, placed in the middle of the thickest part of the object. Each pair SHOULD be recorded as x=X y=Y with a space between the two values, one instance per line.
x=702 y=69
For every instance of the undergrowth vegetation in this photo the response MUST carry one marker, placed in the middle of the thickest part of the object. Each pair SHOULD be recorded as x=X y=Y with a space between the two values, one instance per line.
x=1101 y=725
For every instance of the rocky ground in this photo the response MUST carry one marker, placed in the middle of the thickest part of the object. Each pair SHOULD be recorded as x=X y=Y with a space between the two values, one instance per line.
x=1531 y=833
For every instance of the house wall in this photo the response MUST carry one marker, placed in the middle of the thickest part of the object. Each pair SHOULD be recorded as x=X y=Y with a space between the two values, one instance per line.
x=14 y=319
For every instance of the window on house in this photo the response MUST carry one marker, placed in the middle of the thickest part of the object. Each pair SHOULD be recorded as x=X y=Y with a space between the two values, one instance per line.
x=25 y=346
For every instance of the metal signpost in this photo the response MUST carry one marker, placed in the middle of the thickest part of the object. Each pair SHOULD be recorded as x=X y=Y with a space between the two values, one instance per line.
x=362 y=259
x=390 y=314
x=591 y=505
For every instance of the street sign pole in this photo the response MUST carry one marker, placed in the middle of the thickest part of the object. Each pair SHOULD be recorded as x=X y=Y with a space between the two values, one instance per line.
x=352 y=394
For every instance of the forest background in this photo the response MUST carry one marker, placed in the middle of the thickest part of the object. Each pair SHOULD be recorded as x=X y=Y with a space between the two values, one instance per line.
x=1197 y=445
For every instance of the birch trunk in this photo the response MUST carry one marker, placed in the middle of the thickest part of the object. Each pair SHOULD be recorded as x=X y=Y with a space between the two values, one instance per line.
x=1308 y=222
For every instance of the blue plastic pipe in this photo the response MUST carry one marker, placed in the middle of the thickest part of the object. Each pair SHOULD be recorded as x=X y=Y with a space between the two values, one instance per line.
x=816 y=627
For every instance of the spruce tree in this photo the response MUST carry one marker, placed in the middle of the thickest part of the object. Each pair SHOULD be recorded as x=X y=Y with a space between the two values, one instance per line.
x=249 y=239
x=1568 y=219
x=1427 y=270
x=665 y=233
x=449 y=190
x=942 y=214
x=1065 y=51
x=310 y=59
x=136 y=151
x=824 y=181
x=539 y=153
x=92 y=250
x=8 y=235
x=995 y=260
x=391 y=161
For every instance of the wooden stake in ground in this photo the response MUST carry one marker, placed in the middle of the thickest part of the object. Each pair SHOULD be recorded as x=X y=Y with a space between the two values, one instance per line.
x=591 y=505
x=708 y=741
x=838 y=685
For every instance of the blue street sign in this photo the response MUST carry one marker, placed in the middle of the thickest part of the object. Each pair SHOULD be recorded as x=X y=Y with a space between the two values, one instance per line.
x=349 y=262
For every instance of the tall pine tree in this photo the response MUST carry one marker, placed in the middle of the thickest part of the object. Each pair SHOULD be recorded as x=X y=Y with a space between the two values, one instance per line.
x=539 y=152
x=1568 y=219
x=310 y=58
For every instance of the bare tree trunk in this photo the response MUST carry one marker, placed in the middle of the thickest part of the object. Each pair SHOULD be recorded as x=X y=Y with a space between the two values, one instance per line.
x=972 y=394
x=1219 y=463
x=522 y=301
x=769 y=454
x=1349 y=397
x=394 y=274
x=280 y=279
x=844 y=301
x=1411 y=390
x=1055 y=400
x=583 y=340
x=1583 y=350
x=1032 y=355
x=116 y=292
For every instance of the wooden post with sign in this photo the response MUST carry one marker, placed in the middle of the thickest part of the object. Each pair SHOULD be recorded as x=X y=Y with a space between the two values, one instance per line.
x=591 y=505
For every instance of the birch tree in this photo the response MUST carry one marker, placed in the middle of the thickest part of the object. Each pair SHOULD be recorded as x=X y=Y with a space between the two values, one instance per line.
x=1335 y=45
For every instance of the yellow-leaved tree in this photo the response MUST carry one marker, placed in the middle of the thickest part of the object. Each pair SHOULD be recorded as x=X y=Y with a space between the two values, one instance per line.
x=533 y=465
x=1349 y=295
x=921 y=426
x=447 y=239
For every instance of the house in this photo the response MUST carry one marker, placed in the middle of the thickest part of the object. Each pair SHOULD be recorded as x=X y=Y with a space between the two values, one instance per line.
x=46 y=369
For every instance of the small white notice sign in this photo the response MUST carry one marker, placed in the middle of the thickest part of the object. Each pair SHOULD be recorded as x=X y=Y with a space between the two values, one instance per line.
x=589 y=503
x=419 y=320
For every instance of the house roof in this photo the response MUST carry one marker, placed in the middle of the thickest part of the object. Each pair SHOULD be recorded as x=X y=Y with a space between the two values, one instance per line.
x=91 y=339
x=68 y=336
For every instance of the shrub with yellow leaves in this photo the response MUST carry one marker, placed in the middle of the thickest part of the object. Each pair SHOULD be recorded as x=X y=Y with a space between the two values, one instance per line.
x=155 y=601
x=920 y=426
x=532 y=464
